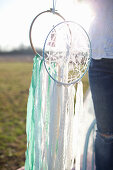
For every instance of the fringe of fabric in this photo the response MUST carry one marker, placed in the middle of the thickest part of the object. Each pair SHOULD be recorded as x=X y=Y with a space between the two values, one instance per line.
x=77 y=124
x=38 y=113
x=51 y=123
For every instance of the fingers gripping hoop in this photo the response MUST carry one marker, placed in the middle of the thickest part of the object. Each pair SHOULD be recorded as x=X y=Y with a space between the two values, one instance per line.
x=31 y=26
x=67 y=52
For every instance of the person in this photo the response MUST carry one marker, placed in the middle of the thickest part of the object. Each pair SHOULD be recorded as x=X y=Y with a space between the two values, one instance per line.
x=101 y=80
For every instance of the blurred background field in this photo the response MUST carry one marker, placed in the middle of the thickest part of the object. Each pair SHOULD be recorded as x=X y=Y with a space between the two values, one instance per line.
x=14 y=84
x=15 y=77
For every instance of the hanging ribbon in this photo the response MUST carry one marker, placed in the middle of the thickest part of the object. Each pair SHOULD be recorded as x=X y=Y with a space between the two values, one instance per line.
x=50 y=123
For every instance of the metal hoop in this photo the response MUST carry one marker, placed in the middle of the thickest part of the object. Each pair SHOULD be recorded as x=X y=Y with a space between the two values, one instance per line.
x=30 y=31
x=78 y=79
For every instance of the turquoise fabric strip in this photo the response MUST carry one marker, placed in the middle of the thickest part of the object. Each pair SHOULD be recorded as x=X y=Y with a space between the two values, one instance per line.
x=36 y=156
x=37 y=116
x=30 y=123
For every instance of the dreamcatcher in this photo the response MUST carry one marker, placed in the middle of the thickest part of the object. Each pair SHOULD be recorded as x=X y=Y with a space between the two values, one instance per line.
x=52 y=118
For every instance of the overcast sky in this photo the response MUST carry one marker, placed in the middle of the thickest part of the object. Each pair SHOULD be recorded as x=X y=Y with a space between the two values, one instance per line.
x=16 y=17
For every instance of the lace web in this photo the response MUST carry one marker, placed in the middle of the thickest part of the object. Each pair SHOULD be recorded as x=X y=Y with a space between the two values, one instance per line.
x=67 y=47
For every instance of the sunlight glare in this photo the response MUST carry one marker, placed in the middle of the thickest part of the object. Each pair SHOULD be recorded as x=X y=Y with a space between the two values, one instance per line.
x=17 y=17
x=80 y=13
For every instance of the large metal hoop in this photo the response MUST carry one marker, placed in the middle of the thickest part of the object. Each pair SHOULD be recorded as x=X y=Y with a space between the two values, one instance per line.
x=67 y=23
x=31 y=26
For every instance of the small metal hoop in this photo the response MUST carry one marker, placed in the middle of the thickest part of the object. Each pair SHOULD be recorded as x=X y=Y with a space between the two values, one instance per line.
x=30 y=31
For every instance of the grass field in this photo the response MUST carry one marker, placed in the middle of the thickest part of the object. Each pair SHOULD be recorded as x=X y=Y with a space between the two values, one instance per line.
x=15 y=80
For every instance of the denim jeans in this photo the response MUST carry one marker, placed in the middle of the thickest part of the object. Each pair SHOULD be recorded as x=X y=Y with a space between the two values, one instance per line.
x=101 y=85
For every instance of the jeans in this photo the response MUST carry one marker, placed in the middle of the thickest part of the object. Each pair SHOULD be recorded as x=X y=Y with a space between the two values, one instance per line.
x=101 y=85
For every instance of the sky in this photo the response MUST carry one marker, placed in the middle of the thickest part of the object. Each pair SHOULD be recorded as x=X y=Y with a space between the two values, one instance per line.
x=17 y=15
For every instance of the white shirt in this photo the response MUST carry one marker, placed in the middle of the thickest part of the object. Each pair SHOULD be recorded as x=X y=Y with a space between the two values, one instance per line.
x=101 y=30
